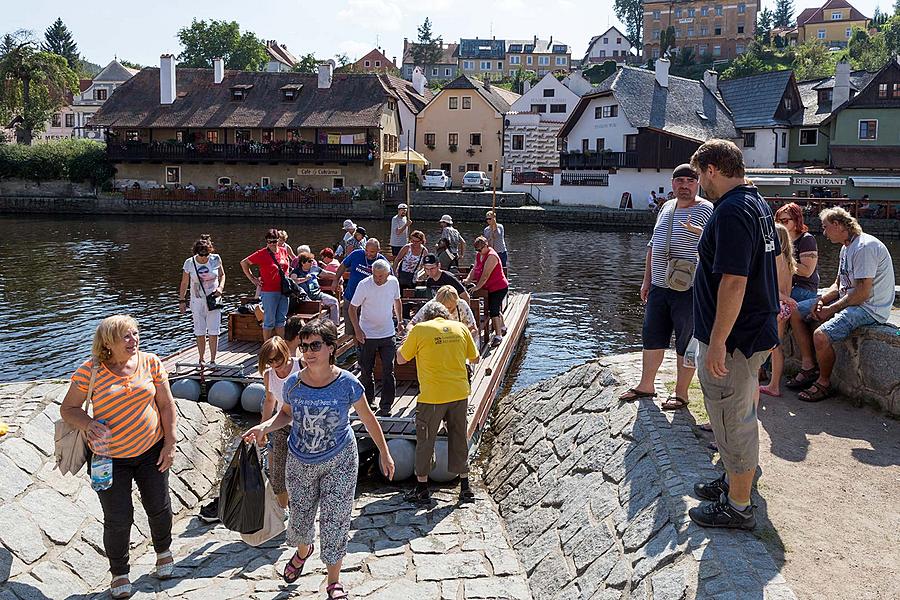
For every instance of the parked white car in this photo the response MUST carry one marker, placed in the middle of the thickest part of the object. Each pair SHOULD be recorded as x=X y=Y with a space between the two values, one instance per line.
x=476 y=180
x=436 y=179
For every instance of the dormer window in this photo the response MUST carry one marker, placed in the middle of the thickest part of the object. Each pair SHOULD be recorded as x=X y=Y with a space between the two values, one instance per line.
x=290 y=91
x=239 y=92
x=100 y=94
x=788 y=104
x=824 y=97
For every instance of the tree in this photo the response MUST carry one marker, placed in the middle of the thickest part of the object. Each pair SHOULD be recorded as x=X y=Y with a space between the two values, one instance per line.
x=667 y=41
x=308 y=64
x=813 y=60
x=520 y=77
x=751 y=62
x=342 y=59
x=35 y=85
x=205 y=40
x=58 y=40
x=878 y=17
x=891 y=32
x=428 y=49
x=631 y=13
x=130 y=65
x=784 y=13
x=764 y=26
x=896 y=7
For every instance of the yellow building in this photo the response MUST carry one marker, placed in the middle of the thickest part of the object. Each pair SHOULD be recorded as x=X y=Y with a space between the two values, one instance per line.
x=461 y=129
x=832 y=24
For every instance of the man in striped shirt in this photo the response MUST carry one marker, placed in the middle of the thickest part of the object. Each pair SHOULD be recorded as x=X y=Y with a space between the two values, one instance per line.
x=675 y=235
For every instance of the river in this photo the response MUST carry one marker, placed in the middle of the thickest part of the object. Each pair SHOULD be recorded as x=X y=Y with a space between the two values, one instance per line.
x=60 y=275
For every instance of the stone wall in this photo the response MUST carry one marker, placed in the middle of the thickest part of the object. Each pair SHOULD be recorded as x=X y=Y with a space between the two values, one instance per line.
x=595 y=493
x=866 y=367
x=24 y=188
x=50 y=524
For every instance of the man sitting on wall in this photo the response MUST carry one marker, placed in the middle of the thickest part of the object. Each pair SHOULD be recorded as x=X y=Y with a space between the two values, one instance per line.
x=862 y=294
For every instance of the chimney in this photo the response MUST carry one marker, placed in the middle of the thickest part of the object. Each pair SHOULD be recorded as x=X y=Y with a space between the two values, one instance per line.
x=394 y=61
x=550 y=43
x=526 y=86
x=218 y=70
x=841 y=92
x=167 y=79
x=325 y=70
x=535 y=41
x=662 y=72
x=419 y=81
x=711 y=81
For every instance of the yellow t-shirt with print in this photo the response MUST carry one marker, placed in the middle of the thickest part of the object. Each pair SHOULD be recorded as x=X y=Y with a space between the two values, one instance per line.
x=440 y=348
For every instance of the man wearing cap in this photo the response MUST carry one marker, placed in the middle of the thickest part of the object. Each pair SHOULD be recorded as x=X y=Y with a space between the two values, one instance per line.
x=452 y=240
x=436 y=278
x=359 y=264
x=675 y=236
x=400 y=228
x=349 y=230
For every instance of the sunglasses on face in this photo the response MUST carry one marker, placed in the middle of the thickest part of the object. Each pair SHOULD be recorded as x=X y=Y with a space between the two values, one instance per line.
x=203 y=253
x=306 y=260
x=312 y=346
x=271 y=241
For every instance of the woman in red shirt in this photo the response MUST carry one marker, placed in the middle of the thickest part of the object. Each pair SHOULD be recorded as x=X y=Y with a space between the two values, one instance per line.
x=488 y=274
x=270 y=260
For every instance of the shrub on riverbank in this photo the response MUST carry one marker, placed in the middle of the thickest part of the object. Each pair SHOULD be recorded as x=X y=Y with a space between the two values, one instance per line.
x=73 y=160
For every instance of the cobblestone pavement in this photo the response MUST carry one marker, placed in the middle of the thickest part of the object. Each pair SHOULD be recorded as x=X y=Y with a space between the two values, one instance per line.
x=595 y=495
x=51 y=534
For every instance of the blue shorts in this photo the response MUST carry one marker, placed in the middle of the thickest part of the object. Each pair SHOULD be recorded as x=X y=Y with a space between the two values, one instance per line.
x=275 y=308
x=841 y=325
x=667 y=311
x=799 y=294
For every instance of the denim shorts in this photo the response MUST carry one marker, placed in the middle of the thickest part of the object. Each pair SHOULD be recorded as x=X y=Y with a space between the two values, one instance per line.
x=275 y=308
x=668 y=311
x=841 y=325
x=799 y=294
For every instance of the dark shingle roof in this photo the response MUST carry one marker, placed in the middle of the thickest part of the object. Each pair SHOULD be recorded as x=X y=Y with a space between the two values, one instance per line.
x=406 y=92
x=813 y=114
x=499 y=98
x=675 y=109
x=754 y=100
x=478 y=48
x=353 y=100
x=448 y=53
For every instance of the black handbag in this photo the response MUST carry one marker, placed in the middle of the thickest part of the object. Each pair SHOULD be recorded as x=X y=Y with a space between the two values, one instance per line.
x=213 y=301
x=289 y=287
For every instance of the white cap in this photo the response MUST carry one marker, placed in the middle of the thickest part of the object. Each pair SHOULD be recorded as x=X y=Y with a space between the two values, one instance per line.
x=446 y=219
x=348 y=225
x=401 y=205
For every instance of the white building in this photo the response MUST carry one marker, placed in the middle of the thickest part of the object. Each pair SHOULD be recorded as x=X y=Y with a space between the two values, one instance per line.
x=413 y=97
x=611 y=45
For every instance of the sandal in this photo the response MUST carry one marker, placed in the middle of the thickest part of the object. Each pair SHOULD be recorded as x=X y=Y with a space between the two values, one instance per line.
x=123 y=590
x=496 y=341
x=673 y=403
x=803 y=379
x=336 y=591
x=292 y=571
x=165 y=565
x=635 y=394
x=816 y=393
x=764 y=389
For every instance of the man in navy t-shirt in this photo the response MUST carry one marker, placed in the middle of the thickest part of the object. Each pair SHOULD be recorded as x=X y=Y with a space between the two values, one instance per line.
x=735 y=308
x=359 y=264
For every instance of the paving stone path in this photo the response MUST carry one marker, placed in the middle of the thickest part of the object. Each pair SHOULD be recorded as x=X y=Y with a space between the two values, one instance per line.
x=595 y=495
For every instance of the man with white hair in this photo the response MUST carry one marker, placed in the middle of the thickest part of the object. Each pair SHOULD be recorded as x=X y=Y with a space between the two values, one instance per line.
x=375 y=303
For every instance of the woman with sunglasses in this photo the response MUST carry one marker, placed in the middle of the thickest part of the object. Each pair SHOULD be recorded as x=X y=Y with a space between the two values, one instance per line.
x=323 y=460
x=205 y=275
x=805 y=284
x=488 y=274
x=269 y=261
x=495 y=234
x=409 y=259
x=307 y=277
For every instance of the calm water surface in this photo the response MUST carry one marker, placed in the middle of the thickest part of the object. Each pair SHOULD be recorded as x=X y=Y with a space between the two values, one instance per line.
x=60 y=276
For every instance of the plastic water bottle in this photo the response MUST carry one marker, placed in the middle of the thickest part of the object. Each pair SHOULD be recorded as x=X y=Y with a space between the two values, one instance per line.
x=690 y=355
x=101 y=465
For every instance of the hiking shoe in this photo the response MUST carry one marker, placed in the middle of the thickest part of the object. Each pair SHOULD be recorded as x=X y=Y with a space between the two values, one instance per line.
x=720 y=513
x=383 y=411
x=418 y=497
x=210 y=512
x=466 y=496
x=711 y=490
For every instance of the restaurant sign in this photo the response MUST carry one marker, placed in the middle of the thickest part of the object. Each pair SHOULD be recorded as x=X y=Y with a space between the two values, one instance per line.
x=313 y=172
x=819 y=180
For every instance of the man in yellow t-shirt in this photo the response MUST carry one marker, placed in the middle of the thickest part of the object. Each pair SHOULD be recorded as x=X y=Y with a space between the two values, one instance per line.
x=440 y=347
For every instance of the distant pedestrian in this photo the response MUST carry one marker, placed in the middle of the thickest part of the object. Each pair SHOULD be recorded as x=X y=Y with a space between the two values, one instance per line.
x=400 y=228
x=270 y=260
x=453 y=243
x=735 y=308
x=373 y=310
x=130 y=393
x=323 y=460
x=652 y=202
x=495 y=234
x=668 y=300
x=349 y=229
x=488 y=274
x=202 y=276
x=441 y=348
x=276 y=364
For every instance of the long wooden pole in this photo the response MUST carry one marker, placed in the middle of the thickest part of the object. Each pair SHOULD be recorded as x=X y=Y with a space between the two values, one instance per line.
x=494 y=195
x=408 y=202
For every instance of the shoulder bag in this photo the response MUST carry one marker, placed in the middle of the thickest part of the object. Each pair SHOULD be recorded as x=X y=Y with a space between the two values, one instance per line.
x=213 y=301
x=407 y=278
x=69 y=443
x=289 y=287
x=679 y=271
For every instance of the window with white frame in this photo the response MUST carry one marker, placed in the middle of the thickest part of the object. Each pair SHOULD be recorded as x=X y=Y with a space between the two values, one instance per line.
x=610 y=111
x=739 y=49
x=474 y=139
x=605 y=40
x=264 y=182
x=742 y=8
x=558 y=108
x=656 y=34
x=467 y=102
x=750 y=139
x=485 y=65
x=848 y=32
x=453 y=102
x=717 y=50
x=677 y=13
x=368 y=64
x=409 y=71
x=543 y=60
x=173 y=175
x=377 y=63
x=820 y=34
x=719 y=10
x=561 y=61
x=518 y=141
x=515 y=60
x=809 y=137
x=837 y=15
x=692 y=12
x=430 y=139
x=100 y=94
x=656 y=15
x=656 y=53
x=499 y=66
x=529 y=60
x=704 y=11
x=603 y=53
x=290 y=183
x=224 y=181
x=434 y=71
x=468 y=64
x=868 y=129
x=337 y=182
x=452 y=139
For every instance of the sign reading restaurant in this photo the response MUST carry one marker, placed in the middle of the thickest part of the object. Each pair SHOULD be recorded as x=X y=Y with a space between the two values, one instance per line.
x=835 y=181
x=313 y=172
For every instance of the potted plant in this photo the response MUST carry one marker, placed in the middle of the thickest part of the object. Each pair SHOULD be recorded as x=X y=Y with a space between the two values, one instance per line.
x=452 y=147
x=470 y=151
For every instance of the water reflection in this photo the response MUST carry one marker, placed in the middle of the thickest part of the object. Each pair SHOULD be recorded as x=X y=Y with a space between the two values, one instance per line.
x=60 y=276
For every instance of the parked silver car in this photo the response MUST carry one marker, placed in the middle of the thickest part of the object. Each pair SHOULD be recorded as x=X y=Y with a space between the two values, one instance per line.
x=476 y=180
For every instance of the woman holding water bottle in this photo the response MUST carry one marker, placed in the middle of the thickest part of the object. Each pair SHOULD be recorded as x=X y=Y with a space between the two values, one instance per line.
x=133 y=428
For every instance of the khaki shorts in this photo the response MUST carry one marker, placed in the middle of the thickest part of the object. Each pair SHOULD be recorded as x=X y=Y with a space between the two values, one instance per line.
x=731 y=404
x=428 y=421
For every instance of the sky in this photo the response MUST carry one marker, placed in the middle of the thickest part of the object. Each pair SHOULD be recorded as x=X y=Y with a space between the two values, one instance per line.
x=140 y=32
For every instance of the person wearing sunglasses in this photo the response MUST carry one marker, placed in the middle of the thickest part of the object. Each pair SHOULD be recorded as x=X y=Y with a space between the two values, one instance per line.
x=204 y=274
x=269 y=261
x=495 y=234
x=306 y=274
x=488 y=274
x=323 y=460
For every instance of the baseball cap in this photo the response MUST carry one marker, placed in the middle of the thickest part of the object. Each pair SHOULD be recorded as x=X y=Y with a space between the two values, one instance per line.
x=401 y=205
x=361 y=231
x=685 y=170
x=430 y=259
x=348 y=225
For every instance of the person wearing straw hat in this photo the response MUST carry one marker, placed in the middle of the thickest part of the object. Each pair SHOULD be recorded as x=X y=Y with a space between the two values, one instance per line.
x=400 y=228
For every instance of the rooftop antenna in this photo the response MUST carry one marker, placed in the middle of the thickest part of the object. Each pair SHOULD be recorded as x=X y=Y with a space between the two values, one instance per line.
x=377 y=41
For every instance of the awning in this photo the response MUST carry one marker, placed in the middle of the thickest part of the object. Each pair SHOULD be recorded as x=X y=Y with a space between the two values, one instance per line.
x=882 y=182
x=399 y=158
x=769 y=179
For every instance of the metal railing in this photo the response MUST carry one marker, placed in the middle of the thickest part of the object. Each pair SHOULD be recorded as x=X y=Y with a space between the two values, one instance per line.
x=307 y=196
x=598 y=160
x=251 y=151
x=526 y=178
x=576 y=178
x=859 y=208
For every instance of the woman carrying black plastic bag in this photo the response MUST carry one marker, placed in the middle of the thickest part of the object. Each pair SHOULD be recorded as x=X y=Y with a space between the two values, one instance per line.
x=323 y=460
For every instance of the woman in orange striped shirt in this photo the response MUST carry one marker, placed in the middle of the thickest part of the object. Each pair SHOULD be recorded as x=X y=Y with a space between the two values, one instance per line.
x=131 y=393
